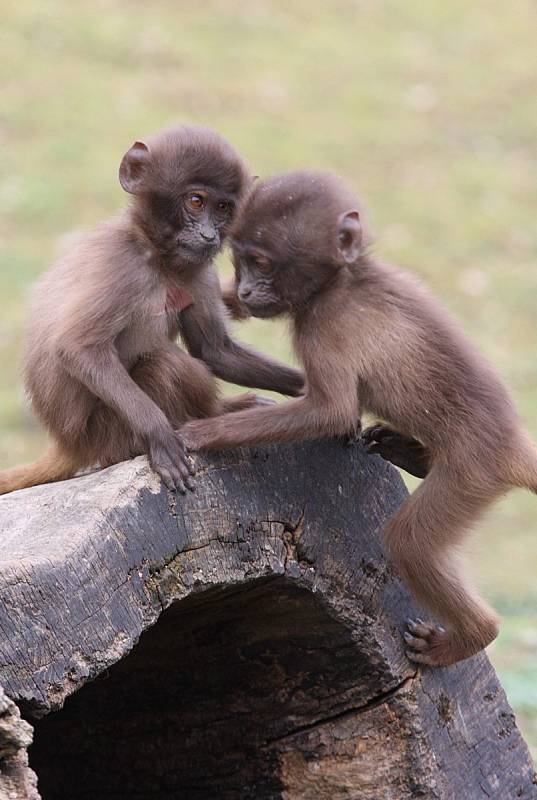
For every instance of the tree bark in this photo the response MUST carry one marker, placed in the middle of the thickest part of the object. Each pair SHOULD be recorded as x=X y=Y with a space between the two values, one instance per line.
x=17 y=780
x=243 y=641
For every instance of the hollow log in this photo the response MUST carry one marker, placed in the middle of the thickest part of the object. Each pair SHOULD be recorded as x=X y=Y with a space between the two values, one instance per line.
x=242 y=641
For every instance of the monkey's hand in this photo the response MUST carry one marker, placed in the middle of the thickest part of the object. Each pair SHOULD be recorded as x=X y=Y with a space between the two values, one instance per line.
x=168 y=457
x=231 y=300
x=194 y=433
x=403 y=451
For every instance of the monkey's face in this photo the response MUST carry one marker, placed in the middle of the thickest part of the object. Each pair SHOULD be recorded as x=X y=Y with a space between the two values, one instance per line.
x=189 y=228
x=258 y=285
x=281 y=279
x=186 y=183
x=295 y=234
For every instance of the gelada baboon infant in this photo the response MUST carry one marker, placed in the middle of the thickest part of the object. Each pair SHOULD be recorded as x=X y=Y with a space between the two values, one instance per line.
x=372 y=339
x=101 y=368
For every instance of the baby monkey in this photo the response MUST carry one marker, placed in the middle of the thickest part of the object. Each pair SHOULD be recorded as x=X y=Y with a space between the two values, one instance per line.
x=373 y=340
x=102 y=368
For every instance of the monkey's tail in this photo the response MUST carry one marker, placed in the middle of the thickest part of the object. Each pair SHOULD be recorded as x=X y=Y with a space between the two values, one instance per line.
x=55 y=465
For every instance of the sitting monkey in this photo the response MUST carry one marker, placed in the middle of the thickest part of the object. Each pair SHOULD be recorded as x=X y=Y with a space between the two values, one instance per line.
x=372 y=339
x=102 y=368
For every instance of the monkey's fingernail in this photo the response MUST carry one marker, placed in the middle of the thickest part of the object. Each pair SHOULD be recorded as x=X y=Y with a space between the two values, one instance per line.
x=408 y=637
x=420 y=621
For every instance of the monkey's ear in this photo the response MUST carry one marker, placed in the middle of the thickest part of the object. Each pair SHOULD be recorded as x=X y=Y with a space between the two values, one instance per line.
x=133 y=166
x=349 y=236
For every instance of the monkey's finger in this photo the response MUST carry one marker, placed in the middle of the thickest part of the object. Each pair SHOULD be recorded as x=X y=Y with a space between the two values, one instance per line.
x=374 y=448
x=372 y=434
x=166 y=478
x=366 y=436
x=388 y=442
x=177 y=477
x=414 y=642
x=417 y=627
x=420 y=658
x=190 y=465
x=179 y=483
x=422 y=629
x=189 y=482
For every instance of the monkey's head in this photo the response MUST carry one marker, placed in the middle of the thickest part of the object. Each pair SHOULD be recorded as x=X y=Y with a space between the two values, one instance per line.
x=186 y=182
x=294 y=235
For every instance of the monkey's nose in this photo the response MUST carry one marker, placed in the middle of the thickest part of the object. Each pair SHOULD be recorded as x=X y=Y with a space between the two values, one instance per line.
x=208 y=236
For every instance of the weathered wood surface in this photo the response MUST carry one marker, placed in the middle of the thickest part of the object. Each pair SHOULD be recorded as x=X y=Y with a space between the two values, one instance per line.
x=275 y=668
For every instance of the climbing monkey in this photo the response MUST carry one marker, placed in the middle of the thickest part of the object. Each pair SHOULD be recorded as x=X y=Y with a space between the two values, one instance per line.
x=371 y=338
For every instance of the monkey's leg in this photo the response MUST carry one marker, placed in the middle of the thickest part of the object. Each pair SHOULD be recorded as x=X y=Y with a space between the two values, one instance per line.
x=422 y=540
x=182 y=386
x=402 y=451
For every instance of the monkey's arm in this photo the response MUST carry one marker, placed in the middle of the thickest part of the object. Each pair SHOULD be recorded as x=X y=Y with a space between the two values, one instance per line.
x=237 y=363
x=103 y=373
x=206 y=337
x=322 y=412
x=101 y=370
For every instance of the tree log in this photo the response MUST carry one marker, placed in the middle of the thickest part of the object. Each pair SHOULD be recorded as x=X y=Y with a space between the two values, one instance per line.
x=243 y=641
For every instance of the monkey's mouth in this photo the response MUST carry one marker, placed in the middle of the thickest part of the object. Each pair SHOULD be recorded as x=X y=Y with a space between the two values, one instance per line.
x=202 y=250
x=264 y=310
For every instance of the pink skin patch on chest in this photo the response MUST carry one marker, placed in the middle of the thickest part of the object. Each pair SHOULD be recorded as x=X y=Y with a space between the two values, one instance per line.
x=177 y=299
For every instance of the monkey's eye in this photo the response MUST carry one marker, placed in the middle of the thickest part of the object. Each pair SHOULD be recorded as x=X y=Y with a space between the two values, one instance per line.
x=224 y=207
x=196 y=201
x=261 y=263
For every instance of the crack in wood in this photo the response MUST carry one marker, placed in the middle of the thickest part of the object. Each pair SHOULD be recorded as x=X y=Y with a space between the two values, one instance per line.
x=363 y=708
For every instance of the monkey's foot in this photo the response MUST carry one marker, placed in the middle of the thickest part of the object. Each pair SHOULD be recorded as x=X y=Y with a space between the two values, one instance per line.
x=431 y=644
x=403 y=451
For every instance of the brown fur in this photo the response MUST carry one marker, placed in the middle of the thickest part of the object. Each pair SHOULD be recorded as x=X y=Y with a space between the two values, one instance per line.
x=101 y=367
x=372 y=339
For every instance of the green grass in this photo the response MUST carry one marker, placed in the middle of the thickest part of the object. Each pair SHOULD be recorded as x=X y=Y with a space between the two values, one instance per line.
x=429 y=109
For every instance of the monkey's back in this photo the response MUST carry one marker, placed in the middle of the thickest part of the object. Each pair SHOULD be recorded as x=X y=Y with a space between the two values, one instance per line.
x=418 y=370
x=71 y=299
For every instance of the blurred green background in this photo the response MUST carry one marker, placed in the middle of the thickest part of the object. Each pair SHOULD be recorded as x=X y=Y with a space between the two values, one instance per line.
x=429 y=109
